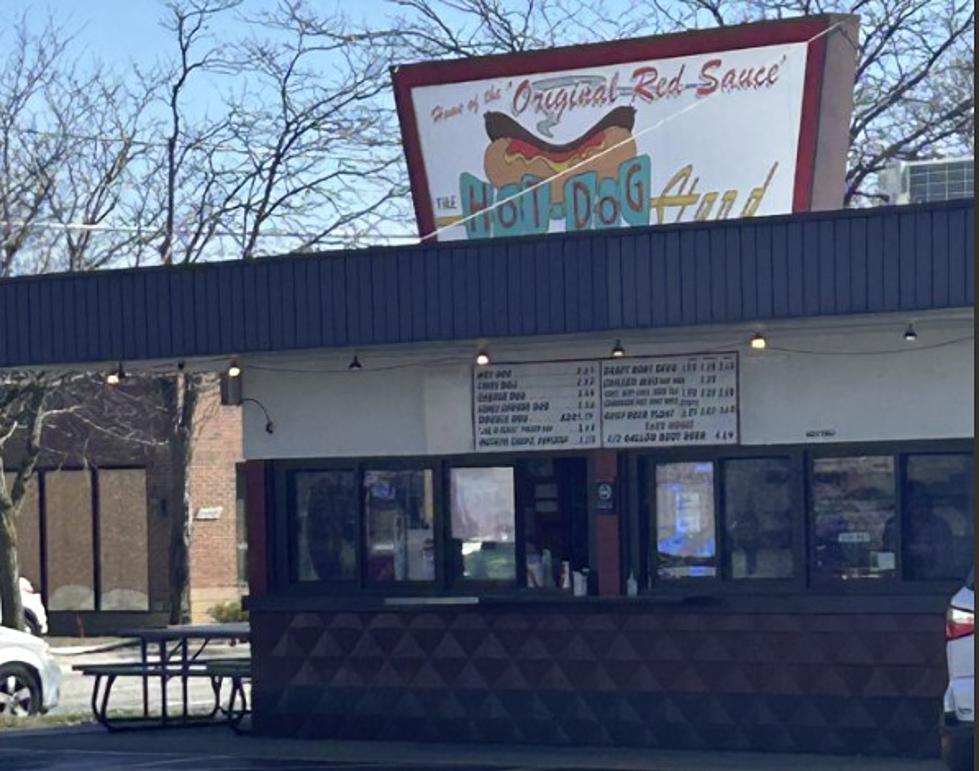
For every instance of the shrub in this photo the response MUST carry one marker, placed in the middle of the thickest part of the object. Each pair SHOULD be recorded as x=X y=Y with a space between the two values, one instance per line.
x=228 y=613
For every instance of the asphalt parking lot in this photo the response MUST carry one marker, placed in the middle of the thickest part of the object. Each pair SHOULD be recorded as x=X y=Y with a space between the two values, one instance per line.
x=93 y=749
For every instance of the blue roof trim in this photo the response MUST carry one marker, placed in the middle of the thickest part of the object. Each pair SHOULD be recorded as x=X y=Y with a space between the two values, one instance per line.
x=904 y=258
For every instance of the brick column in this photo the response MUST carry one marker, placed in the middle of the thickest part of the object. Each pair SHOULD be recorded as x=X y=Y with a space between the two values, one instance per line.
x=604 y=516
x=255 y=506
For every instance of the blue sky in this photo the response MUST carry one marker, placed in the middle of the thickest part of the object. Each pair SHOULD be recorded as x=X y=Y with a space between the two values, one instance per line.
x=120 y=32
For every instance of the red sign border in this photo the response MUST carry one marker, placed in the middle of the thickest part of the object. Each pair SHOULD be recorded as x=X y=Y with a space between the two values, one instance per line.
x=407 y=77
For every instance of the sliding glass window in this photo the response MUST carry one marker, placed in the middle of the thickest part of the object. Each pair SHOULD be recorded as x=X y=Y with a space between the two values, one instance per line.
x=483 y=524
x=939 y=521
x=399 y=511
x=759 y=518
x=686 y=543
x=325 y=525
x=854 y=517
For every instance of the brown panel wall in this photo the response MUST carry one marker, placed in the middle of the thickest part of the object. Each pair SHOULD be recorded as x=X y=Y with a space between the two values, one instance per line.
x=123 y=571
x=68 y=518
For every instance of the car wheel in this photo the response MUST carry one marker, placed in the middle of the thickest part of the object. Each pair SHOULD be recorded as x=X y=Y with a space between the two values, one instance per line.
x=31 y=626
x=20 y=693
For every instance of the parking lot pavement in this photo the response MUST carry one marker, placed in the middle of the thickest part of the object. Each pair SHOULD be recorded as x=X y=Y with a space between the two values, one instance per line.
x=92 y=749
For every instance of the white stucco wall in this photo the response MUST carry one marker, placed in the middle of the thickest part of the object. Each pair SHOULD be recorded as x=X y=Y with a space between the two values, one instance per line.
x=416 y=400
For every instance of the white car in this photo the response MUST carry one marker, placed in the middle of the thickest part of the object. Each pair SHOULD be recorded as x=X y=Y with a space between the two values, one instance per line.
x=30 y=678
x=35 y=616
x=958 y=716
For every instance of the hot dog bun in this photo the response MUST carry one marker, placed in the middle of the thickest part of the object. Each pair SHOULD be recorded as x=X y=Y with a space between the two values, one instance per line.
x=514 y=152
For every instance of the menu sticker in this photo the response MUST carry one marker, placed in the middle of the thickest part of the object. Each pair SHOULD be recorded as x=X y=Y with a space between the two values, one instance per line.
x=666 y=401
x=541 y=406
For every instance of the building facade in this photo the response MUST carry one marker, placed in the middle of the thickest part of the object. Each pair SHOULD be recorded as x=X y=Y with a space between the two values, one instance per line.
x=94 y=530
x=629 y=523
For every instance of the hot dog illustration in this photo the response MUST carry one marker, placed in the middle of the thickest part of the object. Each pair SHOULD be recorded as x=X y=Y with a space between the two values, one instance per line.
x=514 y=152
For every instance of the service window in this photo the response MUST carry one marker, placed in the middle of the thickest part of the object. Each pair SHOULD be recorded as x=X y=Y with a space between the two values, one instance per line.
x=686 y=542
x=399 y=513
x=325 y=525
x=483 y=524
x=938 y=506
x=758 y=518
x=855 y=528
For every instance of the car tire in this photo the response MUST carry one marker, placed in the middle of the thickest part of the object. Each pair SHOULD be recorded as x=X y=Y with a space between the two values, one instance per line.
x=30 y=624
x=20 y=691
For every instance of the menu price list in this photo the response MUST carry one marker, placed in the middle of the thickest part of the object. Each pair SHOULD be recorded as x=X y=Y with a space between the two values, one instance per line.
x=670 y=400
x=536 y=406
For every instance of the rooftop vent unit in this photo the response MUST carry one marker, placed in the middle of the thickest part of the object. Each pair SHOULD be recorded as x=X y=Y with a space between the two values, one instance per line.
x=925 y=181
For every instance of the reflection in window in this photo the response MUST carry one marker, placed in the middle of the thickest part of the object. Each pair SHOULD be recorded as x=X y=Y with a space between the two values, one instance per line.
x=758 y=518
x=938 y=515
x=400 y=538
x=325 y=526
x=854 y=518
x=483 y=523
x=685 y=535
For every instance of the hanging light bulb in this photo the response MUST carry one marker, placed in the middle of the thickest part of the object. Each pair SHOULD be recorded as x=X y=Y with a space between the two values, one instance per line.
x=482 y=359
x=758 y=341
x=234 y=370
x=116 y=376
x=909 y=334
x=617 y=350
x=355 y=363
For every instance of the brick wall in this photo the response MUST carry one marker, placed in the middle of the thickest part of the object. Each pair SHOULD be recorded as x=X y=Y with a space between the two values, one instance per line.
x=213 y=560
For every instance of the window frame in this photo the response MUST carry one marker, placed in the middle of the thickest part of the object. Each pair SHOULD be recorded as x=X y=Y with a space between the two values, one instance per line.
x=635 y=515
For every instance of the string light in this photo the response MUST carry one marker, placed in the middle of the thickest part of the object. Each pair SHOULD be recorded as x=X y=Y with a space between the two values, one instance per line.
x=909 y=334
x=758 y=341
x=617 y=350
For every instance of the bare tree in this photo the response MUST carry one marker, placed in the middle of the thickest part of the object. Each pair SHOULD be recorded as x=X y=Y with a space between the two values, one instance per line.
x=55 y=167
x=298 y=154
x=914 y=94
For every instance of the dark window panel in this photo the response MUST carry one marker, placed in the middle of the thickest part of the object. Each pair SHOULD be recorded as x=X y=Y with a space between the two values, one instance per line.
x=938 y=507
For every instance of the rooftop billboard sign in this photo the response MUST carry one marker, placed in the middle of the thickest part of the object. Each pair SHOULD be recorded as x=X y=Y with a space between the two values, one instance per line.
x=716 y=124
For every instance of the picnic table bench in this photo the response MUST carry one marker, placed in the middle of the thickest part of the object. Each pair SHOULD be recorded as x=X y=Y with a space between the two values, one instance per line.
x=175 y=661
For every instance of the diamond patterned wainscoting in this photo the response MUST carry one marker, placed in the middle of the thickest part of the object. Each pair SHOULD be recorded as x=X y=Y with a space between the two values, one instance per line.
x=832 y=683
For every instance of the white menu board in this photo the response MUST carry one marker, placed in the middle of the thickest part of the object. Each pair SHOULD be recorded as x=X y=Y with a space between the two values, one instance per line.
x=546 y=406
x=667 y=401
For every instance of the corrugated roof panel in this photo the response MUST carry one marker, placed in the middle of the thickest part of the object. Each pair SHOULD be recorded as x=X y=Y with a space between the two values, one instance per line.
x=896 y=258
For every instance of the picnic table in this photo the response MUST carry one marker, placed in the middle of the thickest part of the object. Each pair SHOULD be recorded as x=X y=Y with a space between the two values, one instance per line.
x=174 y=652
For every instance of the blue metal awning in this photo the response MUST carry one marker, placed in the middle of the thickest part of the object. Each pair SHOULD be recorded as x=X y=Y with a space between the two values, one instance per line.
x=907 y=258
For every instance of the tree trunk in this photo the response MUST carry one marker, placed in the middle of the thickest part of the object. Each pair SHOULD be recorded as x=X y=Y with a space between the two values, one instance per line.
x=10 y=502
x=13 y=610
x=183 y=402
